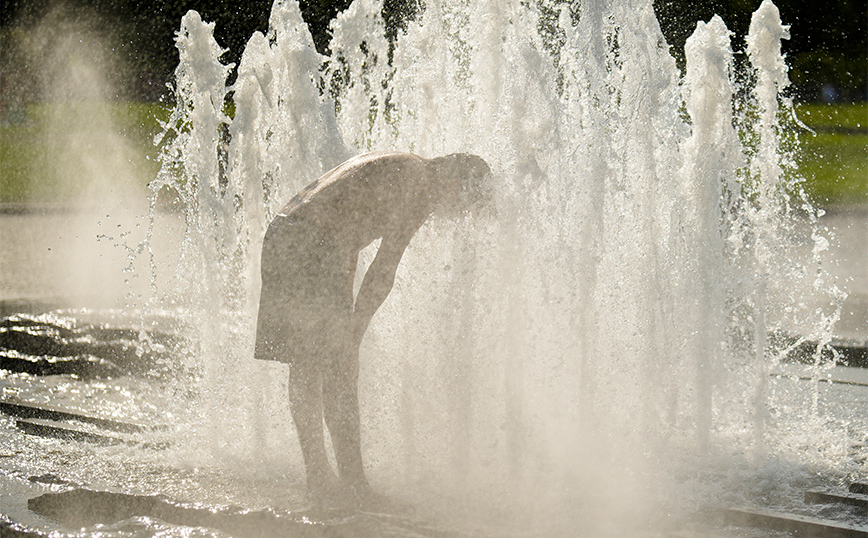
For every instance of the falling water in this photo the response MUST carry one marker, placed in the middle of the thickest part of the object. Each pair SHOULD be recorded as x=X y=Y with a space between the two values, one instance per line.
x=599 y=348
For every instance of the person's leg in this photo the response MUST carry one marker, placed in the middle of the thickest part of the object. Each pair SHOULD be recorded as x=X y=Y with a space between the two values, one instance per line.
x=341 y=407
x=340 y=382
x=305 y=399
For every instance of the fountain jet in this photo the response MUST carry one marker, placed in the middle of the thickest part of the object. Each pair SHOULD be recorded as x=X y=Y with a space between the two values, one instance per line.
x=609 y=330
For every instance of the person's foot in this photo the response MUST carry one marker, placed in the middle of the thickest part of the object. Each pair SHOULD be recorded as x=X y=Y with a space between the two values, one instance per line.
x=325 y=490
x=366 y=499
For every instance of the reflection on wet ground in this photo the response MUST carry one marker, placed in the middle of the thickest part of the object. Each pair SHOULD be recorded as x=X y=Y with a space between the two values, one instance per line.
x=50 y=344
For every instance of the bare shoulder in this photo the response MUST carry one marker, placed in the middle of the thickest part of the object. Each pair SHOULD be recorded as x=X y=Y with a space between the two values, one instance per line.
x=382 y=157
x=377 y=177
x=380 y=164
x=368 y=172
x=370 y=167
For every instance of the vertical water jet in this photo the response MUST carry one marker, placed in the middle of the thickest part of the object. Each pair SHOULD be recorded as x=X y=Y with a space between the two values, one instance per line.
x=619 y=306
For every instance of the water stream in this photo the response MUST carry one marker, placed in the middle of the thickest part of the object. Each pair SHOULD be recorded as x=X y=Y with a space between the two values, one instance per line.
x=596 y=356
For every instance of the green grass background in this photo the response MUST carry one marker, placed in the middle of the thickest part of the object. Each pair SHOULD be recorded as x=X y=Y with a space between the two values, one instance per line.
x=37 y=164
x=834 y=159
x=52 y=152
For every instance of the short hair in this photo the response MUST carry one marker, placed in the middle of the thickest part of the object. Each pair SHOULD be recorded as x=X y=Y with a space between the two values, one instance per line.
x=469 y=168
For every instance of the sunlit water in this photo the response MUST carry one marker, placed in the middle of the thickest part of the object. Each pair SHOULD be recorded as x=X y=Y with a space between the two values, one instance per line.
x=594 y=360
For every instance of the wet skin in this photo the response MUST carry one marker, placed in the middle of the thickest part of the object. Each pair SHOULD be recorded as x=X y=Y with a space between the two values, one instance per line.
x=387 y=196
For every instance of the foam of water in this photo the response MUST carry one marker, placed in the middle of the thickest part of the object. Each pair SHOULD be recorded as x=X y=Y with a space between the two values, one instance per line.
x=588 y=352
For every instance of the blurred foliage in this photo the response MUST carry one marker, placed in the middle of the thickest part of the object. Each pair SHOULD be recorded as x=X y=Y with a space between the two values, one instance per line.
x=828 y=52
x=828 y=58
x=141 y=33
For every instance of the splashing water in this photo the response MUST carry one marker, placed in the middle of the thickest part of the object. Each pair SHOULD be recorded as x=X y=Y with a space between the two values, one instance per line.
x=601 y=347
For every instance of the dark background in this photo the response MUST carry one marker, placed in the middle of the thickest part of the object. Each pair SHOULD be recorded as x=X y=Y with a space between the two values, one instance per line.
x=828 y=52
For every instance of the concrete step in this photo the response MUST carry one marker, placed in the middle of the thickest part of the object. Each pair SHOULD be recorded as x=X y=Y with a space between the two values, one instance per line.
x=29 y=410
x=65 y=430
x=696 y=534
x=50 y=428
x=802 y=526
x=823 y=497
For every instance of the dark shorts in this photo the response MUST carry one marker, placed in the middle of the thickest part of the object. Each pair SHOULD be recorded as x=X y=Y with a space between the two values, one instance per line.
x=306 y=300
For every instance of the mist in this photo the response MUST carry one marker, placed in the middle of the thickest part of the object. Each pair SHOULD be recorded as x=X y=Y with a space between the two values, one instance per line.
x=88 y=172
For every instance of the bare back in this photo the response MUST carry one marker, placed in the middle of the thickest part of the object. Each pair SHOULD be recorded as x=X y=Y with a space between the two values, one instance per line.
x=367 y=197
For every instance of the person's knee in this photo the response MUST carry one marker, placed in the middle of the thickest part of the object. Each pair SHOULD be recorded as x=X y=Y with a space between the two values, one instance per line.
x=341 y=374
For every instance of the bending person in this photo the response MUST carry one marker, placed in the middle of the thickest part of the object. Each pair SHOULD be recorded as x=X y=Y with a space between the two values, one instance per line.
x=307 y=315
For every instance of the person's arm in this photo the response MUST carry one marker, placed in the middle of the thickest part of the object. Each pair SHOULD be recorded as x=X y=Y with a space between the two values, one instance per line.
x=378 y=281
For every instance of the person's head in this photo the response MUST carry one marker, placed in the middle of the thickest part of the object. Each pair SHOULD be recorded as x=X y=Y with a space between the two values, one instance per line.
x=464 y=180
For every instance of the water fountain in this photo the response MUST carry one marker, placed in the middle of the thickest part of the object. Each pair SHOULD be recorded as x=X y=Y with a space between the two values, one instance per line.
x=645 y=244
x=599 y=354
